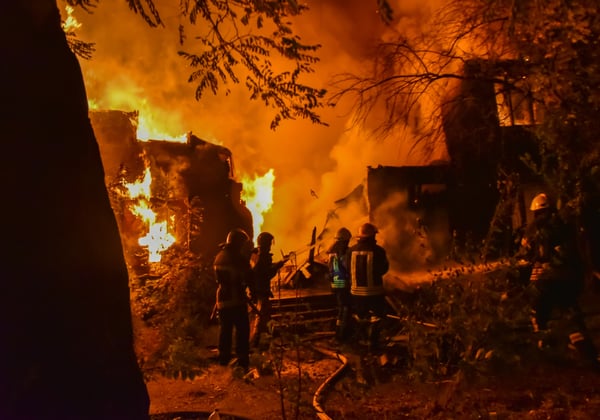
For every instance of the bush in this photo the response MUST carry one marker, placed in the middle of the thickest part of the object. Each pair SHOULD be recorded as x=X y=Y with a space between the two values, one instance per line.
x=173 y=306
x=470 y=323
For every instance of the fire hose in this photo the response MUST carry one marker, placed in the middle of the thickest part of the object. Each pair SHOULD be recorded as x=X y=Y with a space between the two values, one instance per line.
x=318 y=396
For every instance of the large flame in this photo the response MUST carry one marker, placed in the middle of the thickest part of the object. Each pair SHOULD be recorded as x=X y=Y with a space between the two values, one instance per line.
x=157 y=239
x=148 y=129
x=258 y=195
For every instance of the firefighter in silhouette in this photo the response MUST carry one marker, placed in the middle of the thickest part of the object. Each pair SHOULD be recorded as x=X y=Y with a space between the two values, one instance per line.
x=368 y=264
x=556 y=274
x=264 y=269
x=234 y=276
x=338 y=261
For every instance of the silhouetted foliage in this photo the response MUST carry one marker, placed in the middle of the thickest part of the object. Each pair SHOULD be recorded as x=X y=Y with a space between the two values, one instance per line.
x=545 y=52
x=250 y=41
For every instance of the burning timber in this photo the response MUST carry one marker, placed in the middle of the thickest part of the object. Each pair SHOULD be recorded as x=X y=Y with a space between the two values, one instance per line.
x=162 y=189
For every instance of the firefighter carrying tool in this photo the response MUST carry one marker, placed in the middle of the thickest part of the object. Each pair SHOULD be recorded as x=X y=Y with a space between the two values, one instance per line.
x=215 y=310
x=264 y=269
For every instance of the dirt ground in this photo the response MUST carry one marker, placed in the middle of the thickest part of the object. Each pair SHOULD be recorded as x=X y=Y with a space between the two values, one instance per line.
x=370 y=389
x=244 y=398
x=547 y=391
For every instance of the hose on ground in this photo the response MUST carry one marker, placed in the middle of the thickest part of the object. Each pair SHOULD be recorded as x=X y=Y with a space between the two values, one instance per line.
x=318 y=397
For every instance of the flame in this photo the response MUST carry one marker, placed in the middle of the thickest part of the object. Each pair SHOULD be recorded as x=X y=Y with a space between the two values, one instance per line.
x=158 y=239
x=70 y=24
x=257 y=192
x=147 y=129
x=93 y=105
x=141 y=188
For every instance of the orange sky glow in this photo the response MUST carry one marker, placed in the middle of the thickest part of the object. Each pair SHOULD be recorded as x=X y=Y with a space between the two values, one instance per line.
x=136 y=67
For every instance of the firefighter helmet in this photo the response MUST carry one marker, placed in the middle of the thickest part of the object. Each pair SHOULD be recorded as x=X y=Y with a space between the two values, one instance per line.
x=237 y=238
x=264 y=239
x=540 y=202
x=367 y=230
x=343 y=234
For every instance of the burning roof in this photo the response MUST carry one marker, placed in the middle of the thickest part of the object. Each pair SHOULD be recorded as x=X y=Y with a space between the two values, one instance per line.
x=184 y=191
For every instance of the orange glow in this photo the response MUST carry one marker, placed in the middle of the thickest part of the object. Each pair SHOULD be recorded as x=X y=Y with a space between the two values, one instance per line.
x=140 y=188
x=257 y=192
x=137 y=68
x=70 y=24
x=157 y=239
x=147 y=130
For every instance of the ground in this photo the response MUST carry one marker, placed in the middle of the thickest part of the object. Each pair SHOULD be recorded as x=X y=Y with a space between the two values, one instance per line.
x=368 y=388
x=547 y=391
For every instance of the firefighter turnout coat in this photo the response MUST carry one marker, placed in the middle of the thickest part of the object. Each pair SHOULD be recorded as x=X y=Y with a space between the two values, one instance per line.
x=368 y=264
x=233 y=275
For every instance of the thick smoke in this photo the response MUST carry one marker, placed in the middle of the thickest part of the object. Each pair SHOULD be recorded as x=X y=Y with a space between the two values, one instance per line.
x=137 y=67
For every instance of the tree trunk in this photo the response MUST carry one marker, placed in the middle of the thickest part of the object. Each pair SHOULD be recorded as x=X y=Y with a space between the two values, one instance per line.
x=66 y=349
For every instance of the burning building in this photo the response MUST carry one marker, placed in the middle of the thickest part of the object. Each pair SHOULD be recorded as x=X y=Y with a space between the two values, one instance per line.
x=478 y=199
x=487 y=126
x=414 y=202
x=168 y=191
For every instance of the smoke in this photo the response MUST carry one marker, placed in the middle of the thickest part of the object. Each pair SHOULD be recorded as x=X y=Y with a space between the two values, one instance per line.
x=412 y=242
x=136 y=67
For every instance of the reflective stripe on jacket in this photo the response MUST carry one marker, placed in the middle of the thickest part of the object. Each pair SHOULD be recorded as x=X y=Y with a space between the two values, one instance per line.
x=368 y=264
x=338 y=271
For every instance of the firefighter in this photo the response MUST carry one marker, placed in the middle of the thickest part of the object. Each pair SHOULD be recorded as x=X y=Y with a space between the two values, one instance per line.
x=556 y=274
x=264 y=269
x=338 y=259
x=368 y=264
x=233 y=275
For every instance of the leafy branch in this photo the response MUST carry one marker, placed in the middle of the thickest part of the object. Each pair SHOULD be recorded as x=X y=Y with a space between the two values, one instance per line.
x=229 y=42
